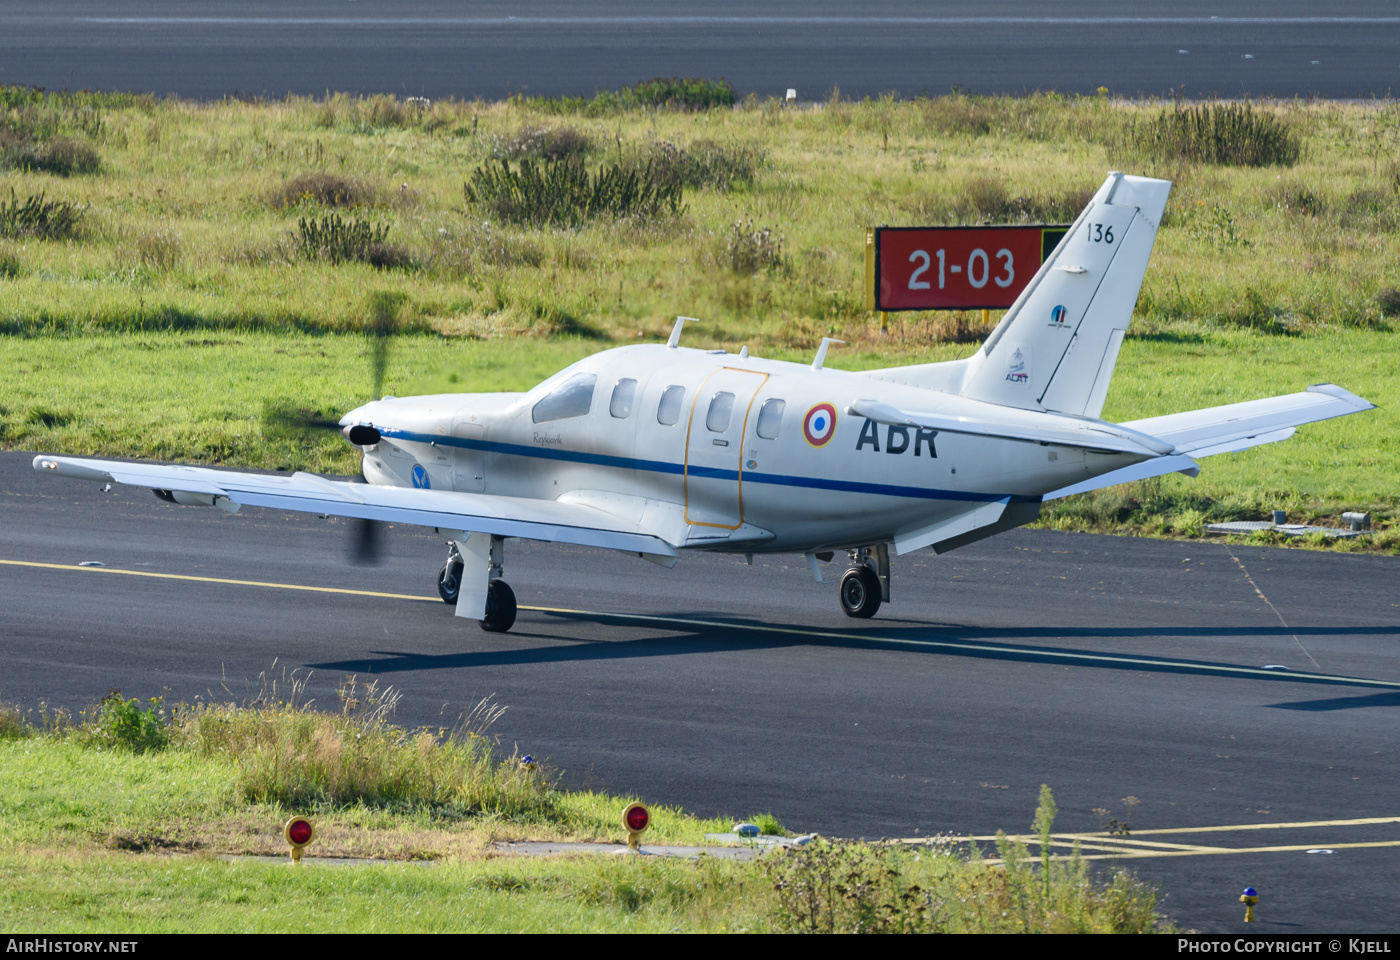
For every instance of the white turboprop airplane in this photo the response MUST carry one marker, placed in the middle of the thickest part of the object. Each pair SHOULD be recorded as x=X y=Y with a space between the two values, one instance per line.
x=653 y=450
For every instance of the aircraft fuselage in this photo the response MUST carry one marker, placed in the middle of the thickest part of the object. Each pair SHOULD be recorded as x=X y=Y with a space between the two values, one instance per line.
x=719 y=451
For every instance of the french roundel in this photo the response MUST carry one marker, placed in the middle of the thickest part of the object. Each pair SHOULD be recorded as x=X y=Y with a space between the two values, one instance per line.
x=819 y=425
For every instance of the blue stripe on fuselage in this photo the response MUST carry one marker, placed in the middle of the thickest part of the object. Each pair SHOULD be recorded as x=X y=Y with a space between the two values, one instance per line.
x=662 y=466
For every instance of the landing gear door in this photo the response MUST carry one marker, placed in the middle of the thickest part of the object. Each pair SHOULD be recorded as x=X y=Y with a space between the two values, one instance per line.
x=714 y=452
x=469 y=469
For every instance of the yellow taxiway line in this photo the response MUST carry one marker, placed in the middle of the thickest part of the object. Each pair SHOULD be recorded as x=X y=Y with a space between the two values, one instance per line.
x=684 y=622
x=1131 y=847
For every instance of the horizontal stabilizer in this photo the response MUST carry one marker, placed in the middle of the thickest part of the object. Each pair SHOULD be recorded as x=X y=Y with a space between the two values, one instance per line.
x=546 y=520
x=1238 y=426
x=1225 y=429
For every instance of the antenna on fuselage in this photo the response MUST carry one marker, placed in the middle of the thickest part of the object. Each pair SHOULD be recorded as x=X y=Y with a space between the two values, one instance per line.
x=821 y=351
x=675 y=338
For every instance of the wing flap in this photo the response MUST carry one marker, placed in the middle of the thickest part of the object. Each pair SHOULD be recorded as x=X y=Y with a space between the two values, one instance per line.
x=547 y=520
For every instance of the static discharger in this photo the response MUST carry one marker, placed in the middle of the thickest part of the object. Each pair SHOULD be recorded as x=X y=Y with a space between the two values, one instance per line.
x=635 y=820
x=1249 y=898
x=299 y=832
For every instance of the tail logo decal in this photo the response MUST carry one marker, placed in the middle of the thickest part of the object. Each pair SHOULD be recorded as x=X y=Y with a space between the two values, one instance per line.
x=1019 y=369
x=1058 y=316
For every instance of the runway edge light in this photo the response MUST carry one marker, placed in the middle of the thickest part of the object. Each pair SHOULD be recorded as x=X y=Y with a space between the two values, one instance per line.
x=299 y=832
x=635 y=820
x=1249 y=898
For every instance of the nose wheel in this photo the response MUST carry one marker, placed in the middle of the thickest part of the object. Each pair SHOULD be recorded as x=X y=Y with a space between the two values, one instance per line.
x=450 y=579
x=497 y=613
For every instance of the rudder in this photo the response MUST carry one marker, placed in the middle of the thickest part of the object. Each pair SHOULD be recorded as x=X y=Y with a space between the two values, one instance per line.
x=1057 y=346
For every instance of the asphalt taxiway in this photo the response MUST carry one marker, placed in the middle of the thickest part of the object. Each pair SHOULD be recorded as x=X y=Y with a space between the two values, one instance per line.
x=1247 y=699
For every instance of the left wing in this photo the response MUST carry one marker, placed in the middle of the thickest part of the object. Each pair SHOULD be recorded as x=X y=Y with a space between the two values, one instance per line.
x=547 y=520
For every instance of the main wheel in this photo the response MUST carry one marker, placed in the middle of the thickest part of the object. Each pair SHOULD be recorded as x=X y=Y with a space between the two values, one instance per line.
x=500 y=607
x=860 y=592
x=450 y=581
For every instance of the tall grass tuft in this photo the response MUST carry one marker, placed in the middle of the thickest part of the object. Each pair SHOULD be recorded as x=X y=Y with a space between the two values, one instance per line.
x=39 y=218
x=665 y=93
x=830 y=886
x=546 y=143
x=290 y=754
x=562 y=193
x=340 y=240
x=748 y=250
x=1223 y=133
x=62 y=156
x=704 y=164
x=326 y=189
x=12 y=723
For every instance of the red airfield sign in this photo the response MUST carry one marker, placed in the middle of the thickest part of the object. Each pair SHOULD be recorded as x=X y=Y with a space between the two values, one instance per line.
x=957 y=268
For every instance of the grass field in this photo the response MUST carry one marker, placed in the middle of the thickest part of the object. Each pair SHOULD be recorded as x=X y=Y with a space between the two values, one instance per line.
x=137 y=817
x=190 y=287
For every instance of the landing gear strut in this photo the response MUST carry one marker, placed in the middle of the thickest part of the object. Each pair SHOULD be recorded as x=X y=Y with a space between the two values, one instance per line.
x=867 y=583
x=467 y=560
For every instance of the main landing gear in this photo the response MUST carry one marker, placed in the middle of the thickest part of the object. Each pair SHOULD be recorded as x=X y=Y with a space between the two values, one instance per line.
x=500 y=598
x=867 y=583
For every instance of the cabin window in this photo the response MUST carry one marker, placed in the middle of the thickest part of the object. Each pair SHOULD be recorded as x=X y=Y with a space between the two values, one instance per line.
x=573 y=398
x=669 y=410
x=621 y=406
x=770 y=418
x=721 y=409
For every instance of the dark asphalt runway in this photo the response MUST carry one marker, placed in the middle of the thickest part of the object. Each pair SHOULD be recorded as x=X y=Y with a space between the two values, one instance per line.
x=1105 y=667
x=212 y=48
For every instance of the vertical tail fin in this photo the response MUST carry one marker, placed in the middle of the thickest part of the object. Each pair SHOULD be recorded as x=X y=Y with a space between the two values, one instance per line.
x=1056 y=347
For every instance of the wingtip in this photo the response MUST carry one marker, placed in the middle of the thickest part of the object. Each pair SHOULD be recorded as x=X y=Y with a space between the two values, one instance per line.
x=1332 y=390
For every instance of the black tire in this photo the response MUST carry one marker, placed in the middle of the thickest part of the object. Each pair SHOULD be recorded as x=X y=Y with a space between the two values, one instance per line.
x=860 y=592
x=500 y=607
x=450 y=582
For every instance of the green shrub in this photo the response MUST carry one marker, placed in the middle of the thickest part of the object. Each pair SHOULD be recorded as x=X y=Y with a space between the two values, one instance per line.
x=562 y=193
x=547 y=143
x=12 y=723
x=326 y=189
x=1223 y=133
x=665 y=93
x=748 y=251
x=704 y=163
x=339 y=240
x=62 y=156
x=39 y=218
x=127 y=725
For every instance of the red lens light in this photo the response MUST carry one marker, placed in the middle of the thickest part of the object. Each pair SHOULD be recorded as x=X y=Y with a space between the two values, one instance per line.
x=300 y=832
x=638 y=818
